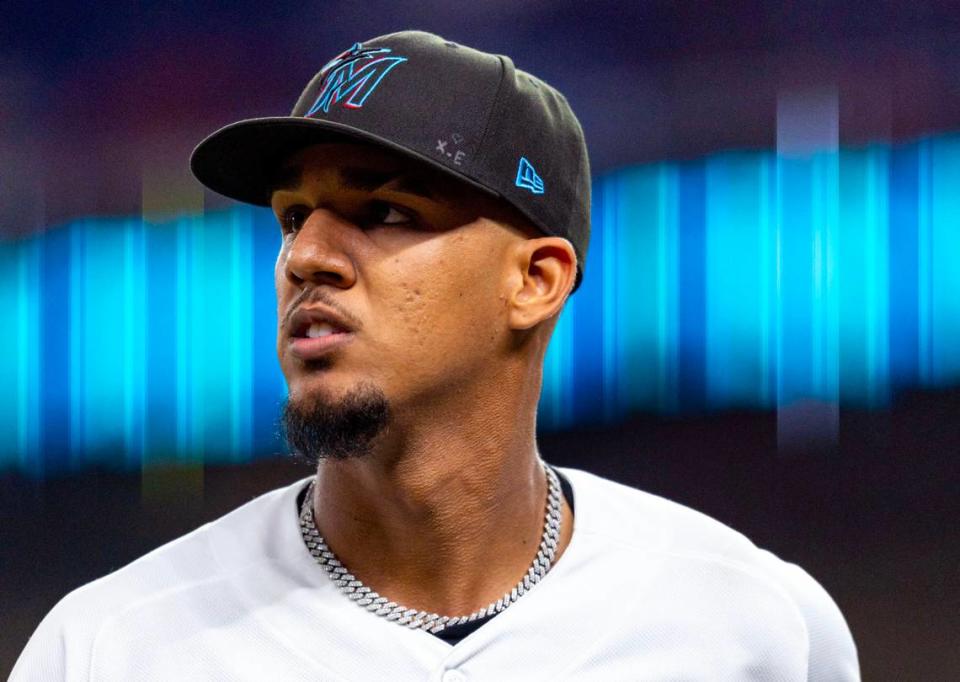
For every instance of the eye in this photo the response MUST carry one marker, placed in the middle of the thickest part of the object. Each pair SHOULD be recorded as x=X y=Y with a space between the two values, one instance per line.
x=293 y=218
x=382 y=213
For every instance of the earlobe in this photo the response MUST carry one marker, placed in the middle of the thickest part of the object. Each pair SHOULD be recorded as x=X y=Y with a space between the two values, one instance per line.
x=544 y=275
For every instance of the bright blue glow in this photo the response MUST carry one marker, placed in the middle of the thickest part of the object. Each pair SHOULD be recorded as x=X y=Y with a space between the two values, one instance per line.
x=944 y=243
x=741 y=280
x=752 y=280
x=863 y=277
x=737 y=291
x=19 y=355
x=129 y=343
x=807 y=326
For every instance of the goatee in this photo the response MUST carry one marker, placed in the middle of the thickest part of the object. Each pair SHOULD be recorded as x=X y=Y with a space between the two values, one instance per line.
x=318 y=428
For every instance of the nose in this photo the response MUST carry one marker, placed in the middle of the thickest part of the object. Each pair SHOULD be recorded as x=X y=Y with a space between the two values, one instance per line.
x=316 y=253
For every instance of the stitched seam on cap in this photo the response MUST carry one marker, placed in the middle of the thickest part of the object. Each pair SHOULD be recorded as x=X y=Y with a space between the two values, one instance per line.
x=494 y=108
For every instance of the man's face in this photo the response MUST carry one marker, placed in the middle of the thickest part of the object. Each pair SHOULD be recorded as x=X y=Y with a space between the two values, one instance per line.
x=409 y=260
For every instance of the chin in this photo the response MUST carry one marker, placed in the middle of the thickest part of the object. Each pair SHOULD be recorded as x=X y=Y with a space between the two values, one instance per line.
x=316 y=381
x=322 y=386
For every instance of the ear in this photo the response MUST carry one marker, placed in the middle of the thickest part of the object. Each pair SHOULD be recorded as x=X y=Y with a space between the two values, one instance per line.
x=542 y=273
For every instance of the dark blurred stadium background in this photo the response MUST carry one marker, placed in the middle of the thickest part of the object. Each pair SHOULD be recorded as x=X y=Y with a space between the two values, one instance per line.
x=769 y=328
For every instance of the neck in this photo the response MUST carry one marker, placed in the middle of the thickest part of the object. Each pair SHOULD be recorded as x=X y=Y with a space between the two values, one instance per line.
x=446 y=515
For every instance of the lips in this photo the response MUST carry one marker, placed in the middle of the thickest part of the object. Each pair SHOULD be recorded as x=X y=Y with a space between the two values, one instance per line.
x=307 y=348
x=317 y=330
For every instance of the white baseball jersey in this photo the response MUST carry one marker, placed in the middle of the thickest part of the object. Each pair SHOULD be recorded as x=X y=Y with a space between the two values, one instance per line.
x=646 y=590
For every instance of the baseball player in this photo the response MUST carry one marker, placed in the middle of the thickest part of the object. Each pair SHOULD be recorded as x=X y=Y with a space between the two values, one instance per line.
x=433 y=202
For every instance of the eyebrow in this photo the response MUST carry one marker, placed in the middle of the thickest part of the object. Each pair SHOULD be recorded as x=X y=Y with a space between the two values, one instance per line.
x=365 y=179
x=399 y=181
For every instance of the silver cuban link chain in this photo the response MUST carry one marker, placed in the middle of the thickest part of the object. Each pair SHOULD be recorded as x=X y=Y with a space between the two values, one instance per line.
x=416 y=619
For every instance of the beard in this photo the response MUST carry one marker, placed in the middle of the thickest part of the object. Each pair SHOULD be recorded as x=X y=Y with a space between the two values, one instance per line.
x=318 y=428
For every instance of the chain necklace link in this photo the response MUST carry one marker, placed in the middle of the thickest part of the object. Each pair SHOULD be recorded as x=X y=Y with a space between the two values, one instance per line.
x=417 y=619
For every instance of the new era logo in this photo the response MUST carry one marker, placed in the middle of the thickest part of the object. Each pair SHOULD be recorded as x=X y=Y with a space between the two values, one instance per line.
x=527 y=177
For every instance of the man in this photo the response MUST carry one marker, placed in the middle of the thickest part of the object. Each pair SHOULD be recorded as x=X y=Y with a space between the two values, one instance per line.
x=433 y=203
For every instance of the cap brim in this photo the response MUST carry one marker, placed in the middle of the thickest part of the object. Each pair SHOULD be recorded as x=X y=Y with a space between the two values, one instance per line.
x=240 y=160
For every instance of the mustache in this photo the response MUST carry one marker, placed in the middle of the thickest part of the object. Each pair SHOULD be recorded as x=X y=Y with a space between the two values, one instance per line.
x=318 y=295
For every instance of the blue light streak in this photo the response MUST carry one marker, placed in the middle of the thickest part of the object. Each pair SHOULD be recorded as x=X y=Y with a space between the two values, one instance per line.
x=741 y=280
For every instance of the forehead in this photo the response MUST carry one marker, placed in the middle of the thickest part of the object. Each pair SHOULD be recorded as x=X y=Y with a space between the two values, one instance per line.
x=367 y=167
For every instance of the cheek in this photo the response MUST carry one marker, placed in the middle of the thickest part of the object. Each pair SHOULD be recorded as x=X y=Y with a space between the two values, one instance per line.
x=279 y=270
x=416 y=320
x=442 y=312
x=284 y=292
x=279 y=283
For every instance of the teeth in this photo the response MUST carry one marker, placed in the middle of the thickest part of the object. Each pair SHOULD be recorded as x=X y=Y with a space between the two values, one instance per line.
x=318 y=329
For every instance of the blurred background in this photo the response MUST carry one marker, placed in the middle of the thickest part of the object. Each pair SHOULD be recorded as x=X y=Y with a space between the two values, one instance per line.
x=768 y=329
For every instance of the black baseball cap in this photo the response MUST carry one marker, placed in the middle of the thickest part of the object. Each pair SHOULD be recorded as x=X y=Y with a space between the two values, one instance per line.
x=468 y=113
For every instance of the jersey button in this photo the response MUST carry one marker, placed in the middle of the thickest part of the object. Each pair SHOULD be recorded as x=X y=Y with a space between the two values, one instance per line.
x=454 y=676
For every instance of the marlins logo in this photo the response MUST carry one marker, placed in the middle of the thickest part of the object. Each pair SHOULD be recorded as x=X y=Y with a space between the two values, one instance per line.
x=349 y=78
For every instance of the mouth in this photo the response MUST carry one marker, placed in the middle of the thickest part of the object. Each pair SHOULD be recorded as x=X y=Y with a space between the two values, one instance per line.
x=313 y=347
x=316 y=332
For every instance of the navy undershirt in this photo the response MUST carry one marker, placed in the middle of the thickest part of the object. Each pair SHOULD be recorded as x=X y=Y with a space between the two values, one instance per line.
x=455 y=633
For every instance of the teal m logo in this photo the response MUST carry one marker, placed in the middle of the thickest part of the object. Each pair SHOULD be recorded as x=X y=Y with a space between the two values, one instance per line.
x=351 y=76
